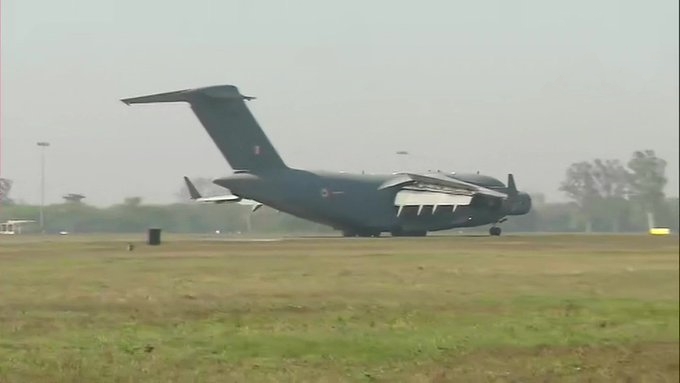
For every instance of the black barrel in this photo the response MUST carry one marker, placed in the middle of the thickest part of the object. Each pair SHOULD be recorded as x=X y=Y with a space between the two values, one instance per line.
x=154 y=237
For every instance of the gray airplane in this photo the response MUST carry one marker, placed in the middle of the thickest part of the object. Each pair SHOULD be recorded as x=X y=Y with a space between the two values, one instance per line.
x=403 y=204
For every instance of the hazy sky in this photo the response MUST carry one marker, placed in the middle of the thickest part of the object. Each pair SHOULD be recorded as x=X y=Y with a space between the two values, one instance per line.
x=497 y=86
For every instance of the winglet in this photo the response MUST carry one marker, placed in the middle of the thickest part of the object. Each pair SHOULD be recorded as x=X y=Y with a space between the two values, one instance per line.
x=512 y=188
x=192 y=189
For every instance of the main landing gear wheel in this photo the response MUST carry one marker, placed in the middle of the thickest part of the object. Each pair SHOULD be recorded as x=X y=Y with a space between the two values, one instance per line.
x=495 y=231
x=413 y=233
x=364 y=234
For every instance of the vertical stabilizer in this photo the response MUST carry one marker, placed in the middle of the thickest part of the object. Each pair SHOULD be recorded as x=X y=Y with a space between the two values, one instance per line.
x=224 y=115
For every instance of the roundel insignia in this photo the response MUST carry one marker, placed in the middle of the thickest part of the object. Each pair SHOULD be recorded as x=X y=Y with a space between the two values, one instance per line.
x=324 y=193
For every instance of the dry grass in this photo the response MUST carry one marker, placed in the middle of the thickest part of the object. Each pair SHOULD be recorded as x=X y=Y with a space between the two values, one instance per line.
x=522 y=308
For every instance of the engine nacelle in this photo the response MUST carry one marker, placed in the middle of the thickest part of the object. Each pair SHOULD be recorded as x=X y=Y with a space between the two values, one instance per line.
x=520 y=204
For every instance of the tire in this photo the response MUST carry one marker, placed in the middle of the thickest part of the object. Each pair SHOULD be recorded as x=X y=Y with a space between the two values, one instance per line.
x=414 y=233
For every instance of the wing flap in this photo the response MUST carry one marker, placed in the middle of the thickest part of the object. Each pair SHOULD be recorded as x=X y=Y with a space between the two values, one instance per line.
x=419 y=198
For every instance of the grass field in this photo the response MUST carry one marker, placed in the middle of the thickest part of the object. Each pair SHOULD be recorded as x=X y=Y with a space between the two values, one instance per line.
x=465 y=309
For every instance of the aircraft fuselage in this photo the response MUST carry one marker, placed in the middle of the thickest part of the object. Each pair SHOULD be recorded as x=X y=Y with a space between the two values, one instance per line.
x=353 y=202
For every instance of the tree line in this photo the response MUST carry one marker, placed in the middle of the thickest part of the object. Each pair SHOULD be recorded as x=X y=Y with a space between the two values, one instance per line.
x=605 y=196
x=612 y=197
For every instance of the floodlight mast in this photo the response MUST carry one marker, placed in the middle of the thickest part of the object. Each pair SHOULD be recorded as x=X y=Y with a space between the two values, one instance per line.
x=43 y=145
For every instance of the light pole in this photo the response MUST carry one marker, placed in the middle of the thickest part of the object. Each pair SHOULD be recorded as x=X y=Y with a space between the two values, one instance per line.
x=42 y=145
x=403 y=166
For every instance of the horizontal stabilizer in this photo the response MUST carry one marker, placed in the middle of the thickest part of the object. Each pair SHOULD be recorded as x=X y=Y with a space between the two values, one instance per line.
x=218 y=92
x=222 y=111
x=193 y=193
x=196 y=196
x=176 y=96
x=219 y=199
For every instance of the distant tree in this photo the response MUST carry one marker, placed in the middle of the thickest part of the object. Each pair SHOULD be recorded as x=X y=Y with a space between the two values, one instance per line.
x=613 y=187
x=647 y=181
x=610 y=195
x=5 y=187
x=611 y=178
x=580 y=186
x=132 y=201
x=600 y=189
x=73 y=198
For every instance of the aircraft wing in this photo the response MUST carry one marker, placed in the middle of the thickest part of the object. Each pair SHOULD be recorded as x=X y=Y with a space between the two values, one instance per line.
x=441 y=184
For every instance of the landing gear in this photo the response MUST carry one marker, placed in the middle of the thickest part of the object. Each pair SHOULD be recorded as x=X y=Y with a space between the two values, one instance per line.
x=495 y=231
x=411 y=233
x=374 y=234
x=365 y=234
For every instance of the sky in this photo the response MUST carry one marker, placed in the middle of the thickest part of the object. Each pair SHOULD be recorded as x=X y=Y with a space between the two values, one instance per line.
x=523 y=87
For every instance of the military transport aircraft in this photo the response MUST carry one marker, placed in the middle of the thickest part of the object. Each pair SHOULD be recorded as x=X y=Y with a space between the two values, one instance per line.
x=403 y=204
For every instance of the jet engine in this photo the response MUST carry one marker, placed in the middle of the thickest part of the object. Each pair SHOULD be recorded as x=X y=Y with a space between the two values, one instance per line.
x=519 y=204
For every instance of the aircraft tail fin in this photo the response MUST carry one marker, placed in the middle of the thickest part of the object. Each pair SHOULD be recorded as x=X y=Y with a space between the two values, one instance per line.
x=223 y=113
